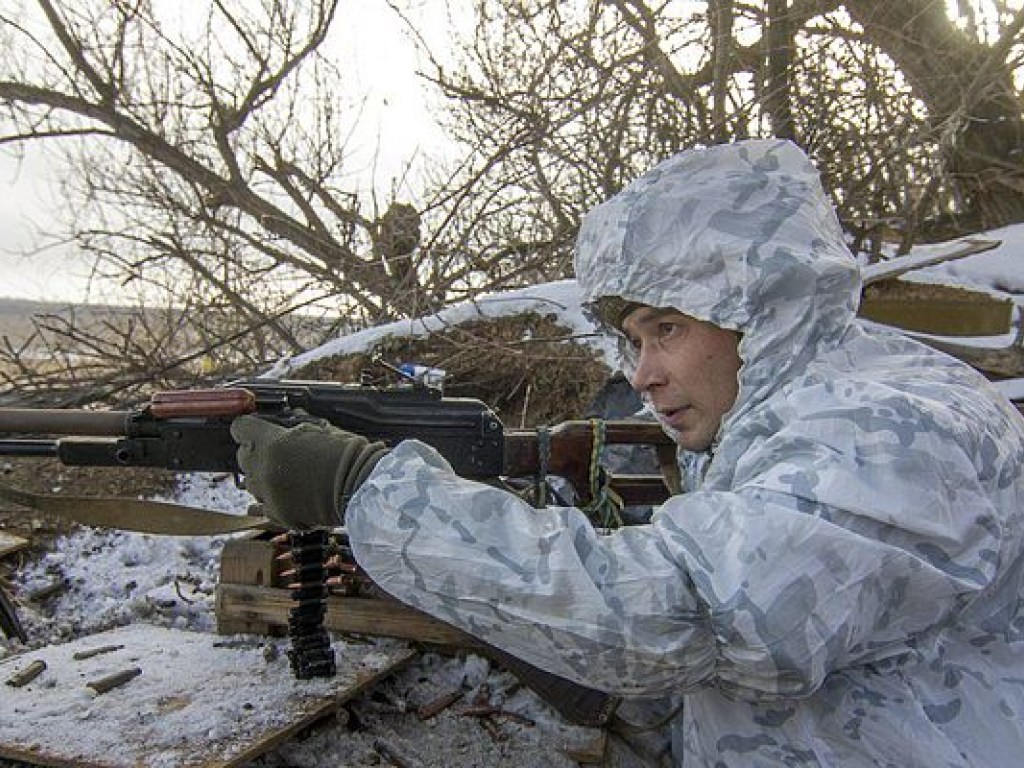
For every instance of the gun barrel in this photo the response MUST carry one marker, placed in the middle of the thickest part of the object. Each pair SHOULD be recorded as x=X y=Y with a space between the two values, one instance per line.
x=55 y=421
x=46 y=448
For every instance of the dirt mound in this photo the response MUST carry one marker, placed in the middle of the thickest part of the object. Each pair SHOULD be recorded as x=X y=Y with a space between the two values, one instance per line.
x=527 y=367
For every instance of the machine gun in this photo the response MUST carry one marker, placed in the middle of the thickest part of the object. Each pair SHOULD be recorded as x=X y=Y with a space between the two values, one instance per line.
x=189 y=431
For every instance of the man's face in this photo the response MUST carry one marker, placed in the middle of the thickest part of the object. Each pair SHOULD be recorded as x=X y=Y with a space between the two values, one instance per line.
x=686 y=369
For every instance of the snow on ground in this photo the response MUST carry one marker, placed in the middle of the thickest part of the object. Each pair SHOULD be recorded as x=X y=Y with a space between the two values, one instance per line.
x=115 y=578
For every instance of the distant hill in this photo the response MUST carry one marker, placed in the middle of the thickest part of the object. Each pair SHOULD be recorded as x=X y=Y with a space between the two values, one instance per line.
x=16 y=314
x=17 y=317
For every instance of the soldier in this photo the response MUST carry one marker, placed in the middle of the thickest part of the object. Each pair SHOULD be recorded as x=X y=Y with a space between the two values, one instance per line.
x=840 y=583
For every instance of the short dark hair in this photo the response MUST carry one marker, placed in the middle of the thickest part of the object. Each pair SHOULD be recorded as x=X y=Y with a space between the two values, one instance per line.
x=613 y=310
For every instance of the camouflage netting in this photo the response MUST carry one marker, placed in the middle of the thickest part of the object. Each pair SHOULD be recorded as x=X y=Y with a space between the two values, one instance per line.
x=526 y=367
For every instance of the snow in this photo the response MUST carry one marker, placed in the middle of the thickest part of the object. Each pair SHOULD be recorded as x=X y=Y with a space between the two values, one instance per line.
x=560 y=298
x=998 y=270
x=926 y=256
x=117 y=579
x=194 y=696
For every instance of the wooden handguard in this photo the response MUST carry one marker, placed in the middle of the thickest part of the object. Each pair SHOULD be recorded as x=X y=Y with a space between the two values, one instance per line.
x=228 y=402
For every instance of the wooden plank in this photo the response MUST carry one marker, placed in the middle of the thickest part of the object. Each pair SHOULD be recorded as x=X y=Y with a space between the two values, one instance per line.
x=364 y=678
x=983 y=316
x=354 y=615
x=927 y=258
x=246 y=561
x=9 y=544
x=200 y=701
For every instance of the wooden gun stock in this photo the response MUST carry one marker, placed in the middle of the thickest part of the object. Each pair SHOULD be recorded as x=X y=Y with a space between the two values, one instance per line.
x=228 y=403
x=572 y=447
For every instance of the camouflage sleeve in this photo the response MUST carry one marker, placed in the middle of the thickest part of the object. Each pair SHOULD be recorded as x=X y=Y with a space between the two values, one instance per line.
x=859 y=523
x=614 y=612
x=761 y=591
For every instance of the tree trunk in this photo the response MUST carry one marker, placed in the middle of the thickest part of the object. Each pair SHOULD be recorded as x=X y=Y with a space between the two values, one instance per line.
x=720 y=14
x=968 y=89
x=779 y=56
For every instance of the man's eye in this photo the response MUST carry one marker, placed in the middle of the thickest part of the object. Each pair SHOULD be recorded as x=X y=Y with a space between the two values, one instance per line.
x=668 y=330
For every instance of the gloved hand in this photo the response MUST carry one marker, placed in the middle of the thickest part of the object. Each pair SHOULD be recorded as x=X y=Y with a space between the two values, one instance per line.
x=303 y=475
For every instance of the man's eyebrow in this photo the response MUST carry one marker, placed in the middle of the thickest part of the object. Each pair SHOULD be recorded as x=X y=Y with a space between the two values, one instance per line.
x=647 y=314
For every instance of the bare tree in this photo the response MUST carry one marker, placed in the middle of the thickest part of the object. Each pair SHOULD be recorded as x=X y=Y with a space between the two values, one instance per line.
x=914 y=121
x=556 y=109
x=205 y=163
x=720 y=15
x=973 y=104
x=779 y=54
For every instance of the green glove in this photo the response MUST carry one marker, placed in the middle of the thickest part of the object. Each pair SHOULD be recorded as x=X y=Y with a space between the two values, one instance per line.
x=303 y=475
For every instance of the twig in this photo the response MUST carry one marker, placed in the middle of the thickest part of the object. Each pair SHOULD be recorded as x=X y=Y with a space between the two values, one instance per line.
x=438 y=705
x=88 y=654
x=177 y=588
x=486 y=711
x=397 y=756
x=47 y=591
x=492 y=729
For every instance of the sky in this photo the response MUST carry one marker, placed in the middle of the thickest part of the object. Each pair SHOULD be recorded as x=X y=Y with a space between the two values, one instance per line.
x=24 y=203
x=380 y=67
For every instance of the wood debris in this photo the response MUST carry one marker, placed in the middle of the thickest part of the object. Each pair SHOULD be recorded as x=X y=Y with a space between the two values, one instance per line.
x=88 y=654
x=116 y=680
x=27 y=675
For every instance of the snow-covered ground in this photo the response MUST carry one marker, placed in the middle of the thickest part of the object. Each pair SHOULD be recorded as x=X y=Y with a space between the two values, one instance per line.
x=116 y=578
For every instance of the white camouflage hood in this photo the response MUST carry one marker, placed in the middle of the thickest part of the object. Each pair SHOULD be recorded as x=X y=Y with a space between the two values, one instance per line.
x=739 y=235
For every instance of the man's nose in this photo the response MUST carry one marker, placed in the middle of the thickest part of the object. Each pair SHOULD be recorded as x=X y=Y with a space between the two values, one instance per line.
x=649 y=371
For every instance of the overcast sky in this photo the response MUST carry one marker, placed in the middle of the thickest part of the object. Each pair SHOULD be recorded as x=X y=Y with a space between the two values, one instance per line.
x=381 y=67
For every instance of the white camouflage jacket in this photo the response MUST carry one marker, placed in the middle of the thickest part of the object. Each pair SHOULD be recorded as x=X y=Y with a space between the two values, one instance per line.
x=840 y=586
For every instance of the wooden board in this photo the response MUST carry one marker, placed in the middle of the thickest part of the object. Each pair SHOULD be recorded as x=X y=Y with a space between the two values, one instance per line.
x=356 y=615
x=201 y=700
x=9 y=544
x=927 y=256
x=247 y=561
x=937 y=309
x=983 y=316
